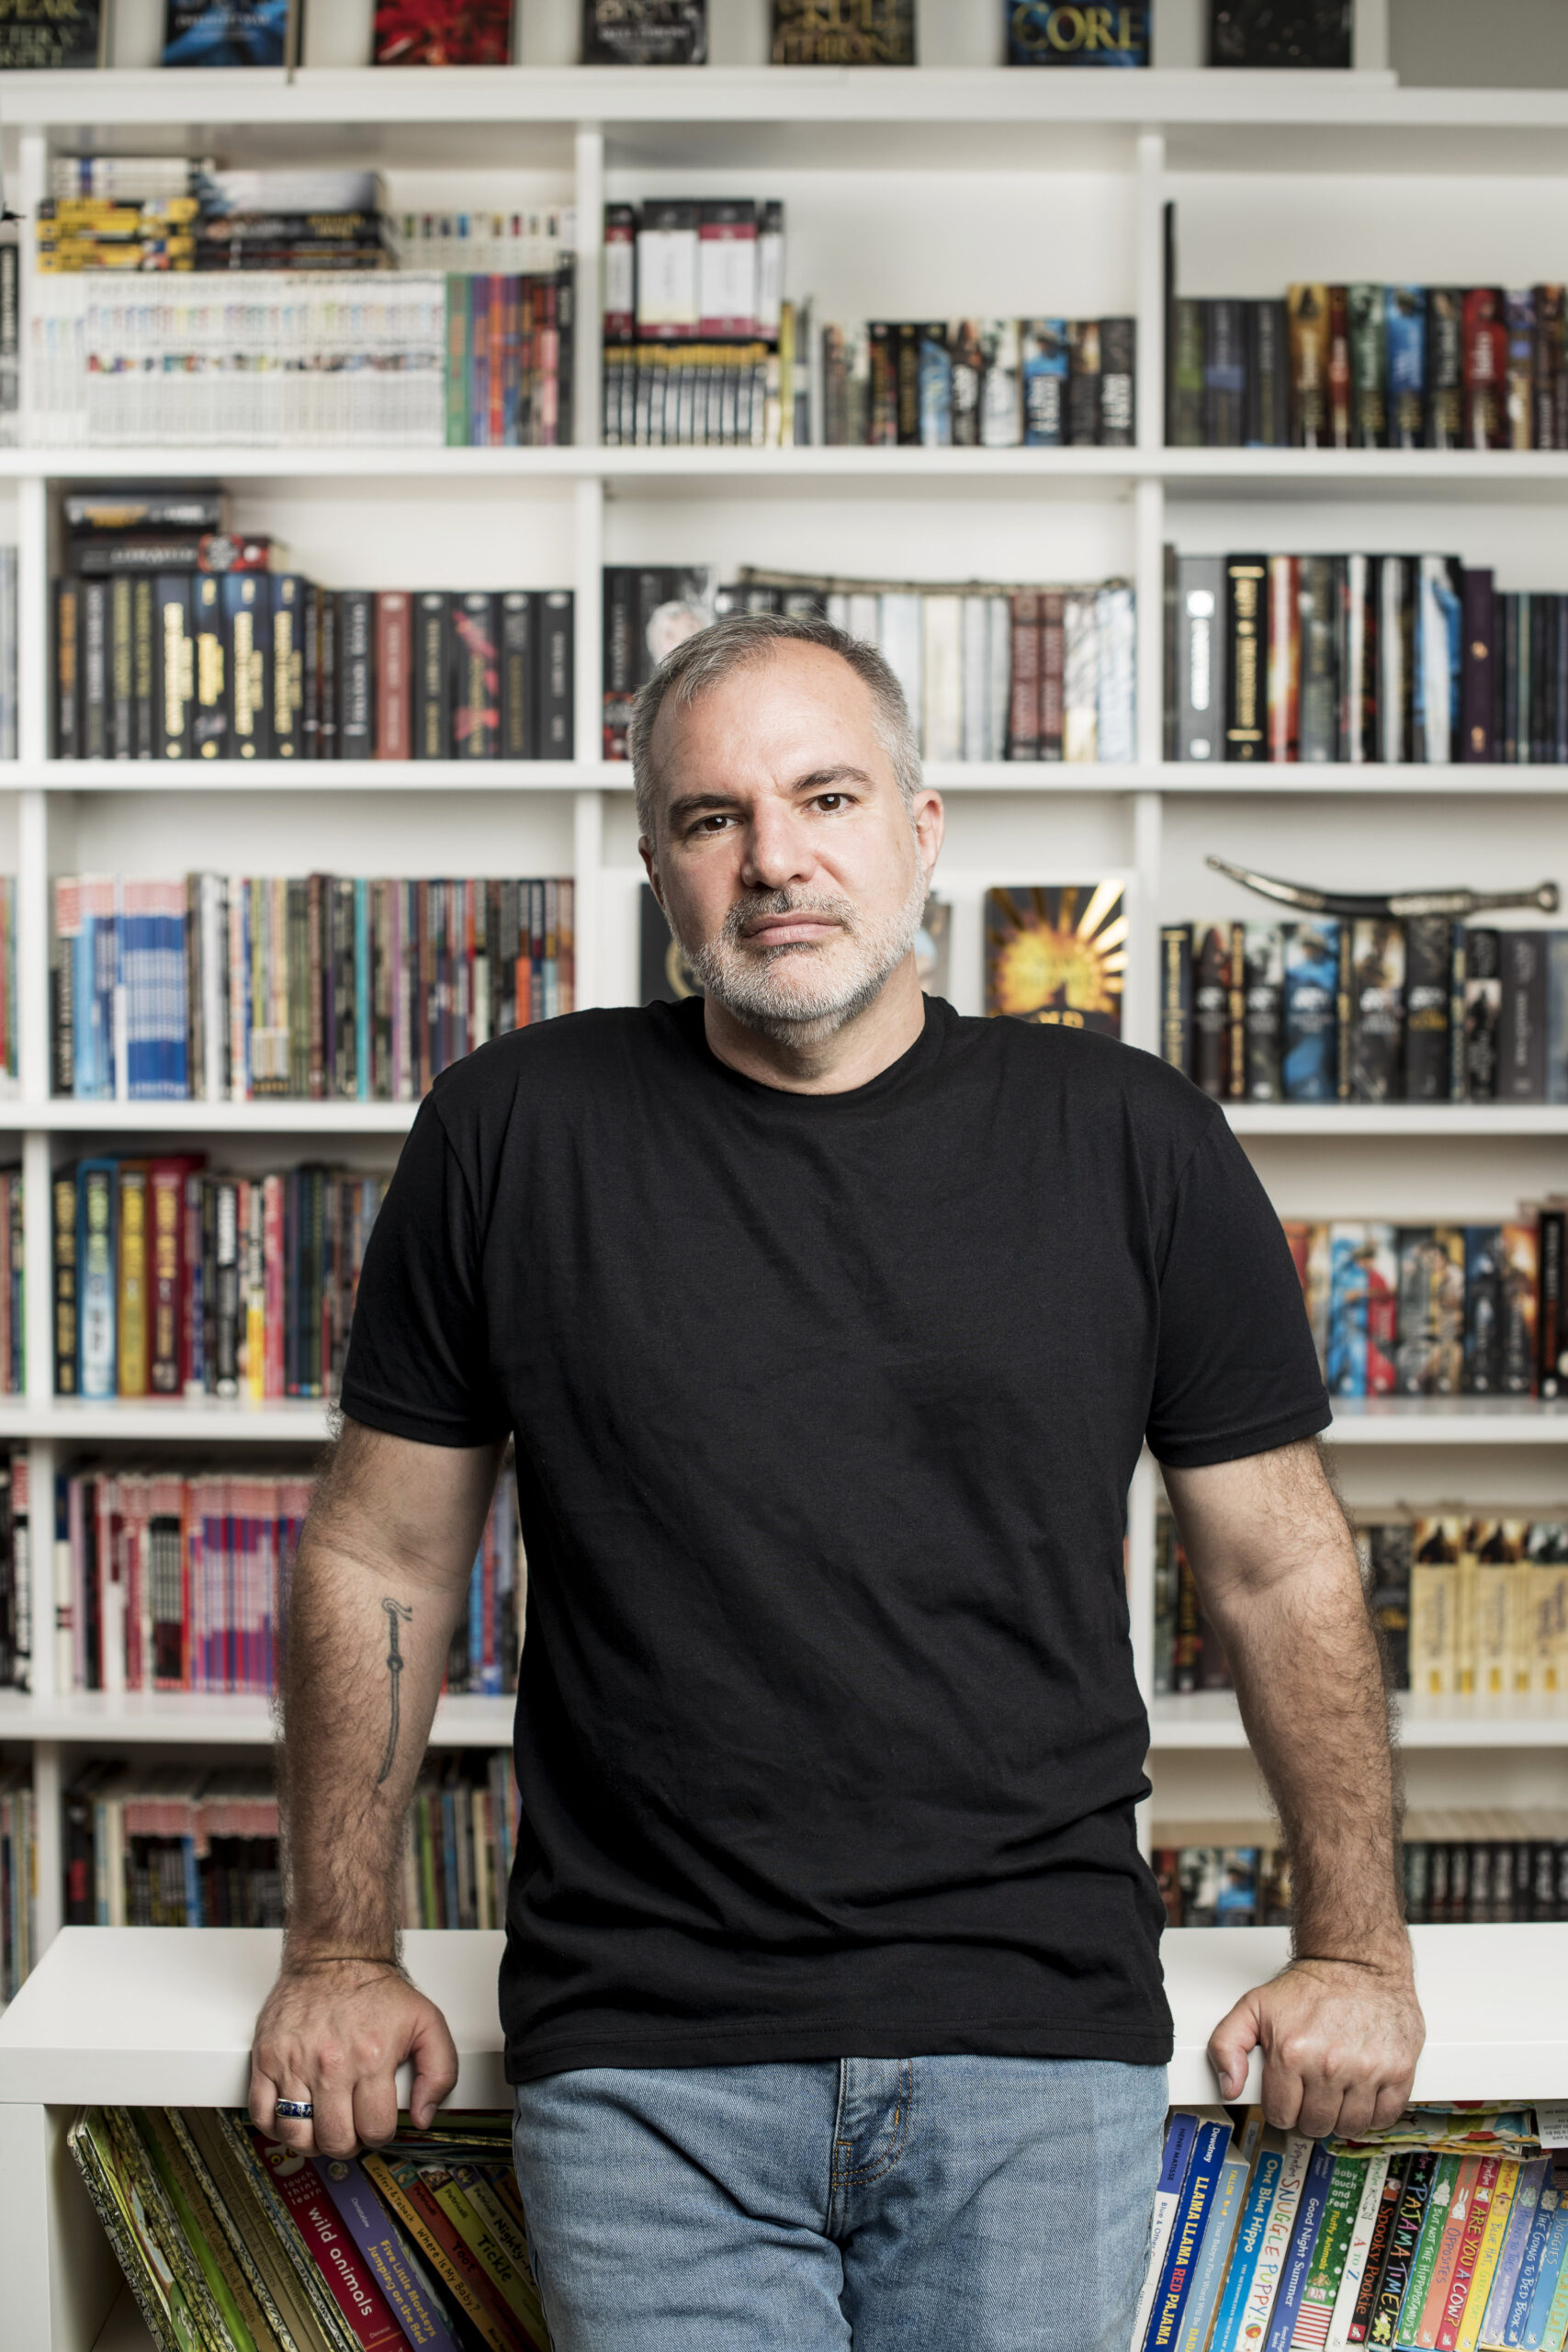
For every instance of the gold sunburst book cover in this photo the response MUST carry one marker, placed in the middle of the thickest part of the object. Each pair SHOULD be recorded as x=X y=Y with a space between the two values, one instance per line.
x=1057 y=953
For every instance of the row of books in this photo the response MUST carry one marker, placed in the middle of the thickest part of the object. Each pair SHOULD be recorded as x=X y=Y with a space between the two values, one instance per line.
x=1461 y=1868
x=698 y=271
x=229 y=2239
x=981 y=383
x=710 y=395
x=1450 y=2229
x=1369 y=1009
x=511 y=342
x=1370 y=367
x=1468 y=1605
x=250 y=220
x=170 y=1280
x=988 y=674
x=1437 y=1310
x=200 y=664
x=328 y=987
x=169 y=1581
x=1362 y=658
x=181 y=1846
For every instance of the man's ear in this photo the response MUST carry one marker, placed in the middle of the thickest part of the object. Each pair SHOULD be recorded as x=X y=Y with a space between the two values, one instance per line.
x=646 y=851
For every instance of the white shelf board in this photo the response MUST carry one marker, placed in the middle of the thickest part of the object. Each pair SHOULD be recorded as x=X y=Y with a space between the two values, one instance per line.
x=1340 y=1119
x=211 y=1719
x=283 y=1115
x=314 y=775
x=1448 y=1420
x=163 y=2016
x=284 y=1421
x=1208 y=1720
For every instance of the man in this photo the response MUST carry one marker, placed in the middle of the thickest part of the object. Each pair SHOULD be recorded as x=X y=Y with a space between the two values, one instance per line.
x=829 y=1326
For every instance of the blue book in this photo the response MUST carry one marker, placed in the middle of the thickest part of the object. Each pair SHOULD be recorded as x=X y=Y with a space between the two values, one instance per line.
x=220 y=33
x=1197 y=2191
x=1045 y=370
x=1179 y=2134
x=1258 y=2205
x=1405 y=318
x=1219 y=2235
x=96 y=1362
x=1298 y=2267
x=1524 y=2221
x=1531 y=2331
x=1309 y=1070
x=934 y=381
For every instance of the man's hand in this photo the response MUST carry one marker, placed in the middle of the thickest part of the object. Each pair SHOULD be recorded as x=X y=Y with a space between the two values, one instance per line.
x=1339 y=2041
x=335 y=2033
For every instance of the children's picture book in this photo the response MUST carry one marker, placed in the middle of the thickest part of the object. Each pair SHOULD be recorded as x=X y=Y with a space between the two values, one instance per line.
x=443 y=32
x=231 y=32
x=1057 y=955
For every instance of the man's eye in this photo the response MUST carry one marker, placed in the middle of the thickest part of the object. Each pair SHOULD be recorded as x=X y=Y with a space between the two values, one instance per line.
x=711 y=824
x=830 y=800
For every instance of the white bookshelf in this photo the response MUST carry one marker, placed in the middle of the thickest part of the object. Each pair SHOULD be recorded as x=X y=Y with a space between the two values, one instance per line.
x=963 y=189
x=157 y=2016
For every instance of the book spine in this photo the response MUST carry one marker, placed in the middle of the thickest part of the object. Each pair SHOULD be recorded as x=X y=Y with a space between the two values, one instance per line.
x=432 y=678
x=1210 y=1008
x=393 y=659
x=67 y=700
x=554 y=698
x=1551 y=1333
x=519 y=704
x=1246 y=623
x=356 y=673
x=1176 y=995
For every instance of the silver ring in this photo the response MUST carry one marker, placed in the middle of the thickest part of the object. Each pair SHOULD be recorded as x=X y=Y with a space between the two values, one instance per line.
x=299 y=2110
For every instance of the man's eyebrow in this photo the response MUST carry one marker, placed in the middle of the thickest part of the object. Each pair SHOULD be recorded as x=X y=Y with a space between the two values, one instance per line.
x=693 y=804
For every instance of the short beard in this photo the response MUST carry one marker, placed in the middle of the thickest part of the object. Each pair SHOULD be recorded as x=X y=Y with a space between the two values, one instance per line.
x=796 y=1008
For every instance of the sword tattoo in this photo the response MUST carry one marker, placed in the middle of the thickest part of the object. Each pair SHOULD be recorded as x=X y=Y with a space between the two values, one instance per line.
x=395 y=1663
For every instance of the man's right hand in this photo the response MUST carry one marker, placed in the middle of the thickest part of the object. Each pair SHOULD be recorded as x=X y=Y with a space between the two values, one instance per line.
x=335 y=2033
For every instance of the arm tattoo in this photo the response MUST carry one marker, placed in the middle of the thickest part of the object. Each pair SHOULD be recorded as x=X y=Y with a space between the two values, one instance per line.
x=395 y=1610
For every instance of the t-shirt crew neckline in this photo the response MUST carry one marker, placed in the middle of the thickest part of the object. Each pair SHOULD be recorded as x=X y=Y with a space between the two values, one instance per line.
x=691 y=1026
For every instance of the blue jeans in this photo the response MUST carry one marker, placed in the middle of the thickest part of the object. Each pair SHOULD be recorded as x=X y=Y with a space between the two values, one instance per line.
x=894 y=2204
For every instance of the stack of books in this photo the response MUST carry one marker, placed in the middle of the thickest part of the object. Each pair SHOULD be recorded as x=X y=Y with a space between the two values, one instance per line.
x=989 y=673
x=127 y=213
x=229 y=2238
x=1449 y=2228
x=1469 y=1605
x=1462 y=1868
x=328 y=987
x=177 y=1582
x=1370 y=367
x=1372 y=1010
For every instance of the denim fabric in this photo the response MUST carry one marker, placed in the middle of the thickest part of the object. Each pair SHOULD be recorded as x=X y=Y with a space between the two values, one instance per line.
x=955 y=2204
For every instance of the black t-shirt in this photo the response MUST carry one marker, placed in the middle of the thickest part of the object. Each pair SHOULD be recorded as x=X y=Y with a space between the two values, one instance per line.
x=825 y=1407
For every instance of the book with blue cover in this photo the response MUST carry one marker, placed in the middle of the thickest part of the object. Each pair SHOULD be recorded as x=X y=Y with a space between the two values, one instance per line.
x=231 y=32
x=1192 y=2215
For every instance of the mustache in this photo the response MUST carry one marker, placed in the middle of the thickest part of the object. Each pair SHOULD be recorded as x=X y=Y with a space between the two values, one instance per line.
x=758 y=904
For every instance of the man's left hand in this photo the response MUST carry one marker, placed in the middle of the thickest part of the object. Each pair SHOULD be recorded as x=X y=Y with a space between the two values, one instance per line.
x=1339 y=2041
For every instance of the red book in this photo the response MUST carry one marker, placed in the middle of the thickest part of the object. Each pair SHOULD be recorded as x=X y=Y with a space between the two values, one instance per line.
x=336 y=2257
x=394 y=659
x=1453 y=2318
x=547 y=433
x=273 y=1260
x=444 y=32
x=167 y=1242
x=1023 y=714
x=1485 y=369
x=497 y=373
x=1053 y=650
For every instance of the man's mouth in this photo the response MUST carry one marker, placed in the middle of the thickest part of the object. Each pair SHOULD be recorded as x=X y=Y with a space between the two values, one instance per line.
x=800 y=930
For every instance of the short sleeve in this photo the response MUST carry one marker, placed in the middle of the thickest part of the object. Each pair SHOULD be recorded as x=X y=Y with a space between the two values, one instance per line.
x=418 y=1352
x=1237 y=1372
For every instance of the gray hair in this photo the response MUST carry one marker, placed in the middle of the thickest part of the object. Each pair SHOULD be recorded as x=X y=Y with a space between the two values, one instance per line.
x=707 y=659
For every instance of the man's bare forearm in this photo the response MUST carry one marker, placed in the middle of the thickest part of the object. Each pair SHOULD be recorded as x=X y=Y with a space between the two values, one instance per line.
x=1276 y=1566
x=373 y=1603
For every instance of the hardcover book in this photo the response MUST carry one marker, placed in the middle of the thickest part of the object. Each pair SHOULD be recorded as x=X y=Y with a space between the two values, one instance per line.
x=1039 y=32
x=1058 y=954
x=844 y=32
x=231 y=32
x=645 y=32
x=1280 y=33
x=68 y=33
x=443 y=32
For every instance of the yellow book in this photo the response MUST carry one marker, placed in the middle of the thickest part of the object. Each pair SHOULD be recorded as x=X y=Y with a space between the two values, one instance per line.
x=1467 y=1610
x=1434 y=1607
x=1548 y=1612
x=1485 y=2268
x=131 y=1266
x=480 y=2239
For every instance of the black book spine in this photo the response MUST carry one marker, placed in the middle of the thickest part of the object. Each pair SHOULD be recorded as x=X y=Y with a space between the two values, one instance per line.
x=1551 y=1331
x=1264 y=954
x=210 y=716
x=1507 y=681
x=122 y=673
x=1118 y=383
x=554 y=697
x=144 y=667
x=475 y=675
x=95 y=705
x=1482 y=1310
x=1444 y=368
x=1085 y=363
x=432 y=678
x=1235 y=1008
x=519 y=701
x=1210 y=1007
x=1245 y=621
x=1176 y=995
x=357 y=674
x=1477 y=667
x=1482 y=1011
x=247 y=617
x=67 y=669
x=1557 y=752
x=1426 y=1009
x=329 y=624
x=1377 y=1009
x=1521 y=1029
x=1225 y=374
x=286 y=664
x=1459 y=1048
x=309 y=626
x=1268 y=375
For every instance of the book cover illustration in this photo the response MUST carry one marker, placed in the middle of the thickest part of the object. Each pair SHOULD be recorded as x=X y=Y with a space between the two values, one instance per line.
x=1058 y=954
x=231 y=32
x=1281 y=33
x=1041 y=32
x=67 y=33
x=645 y=32
x=1311 y=968
x=443 y=32
x=1364 y=1305
x=844 y=32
